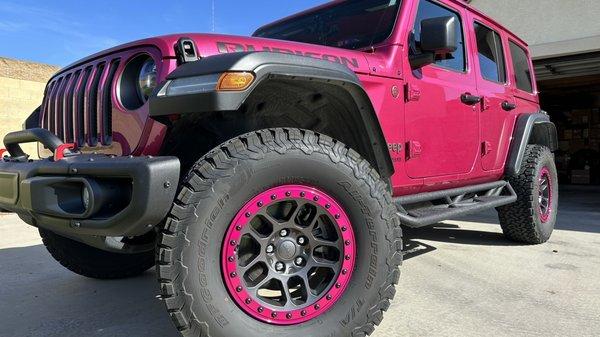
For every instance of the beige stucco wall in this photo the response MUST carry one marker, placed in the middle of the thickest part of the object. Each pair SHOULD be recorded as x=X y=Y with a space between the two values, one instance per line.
x=21 y=91
x=551 y=27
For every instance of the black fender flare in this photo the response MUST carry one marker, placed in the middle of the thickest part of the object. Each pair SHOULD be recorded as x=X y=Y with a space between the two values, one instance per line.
x=266 y=66
x=531 y=128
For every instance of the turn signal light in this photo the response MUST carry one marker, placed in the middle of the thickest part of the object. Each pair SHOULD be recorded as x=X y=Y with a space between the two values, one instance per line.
x=235 y=81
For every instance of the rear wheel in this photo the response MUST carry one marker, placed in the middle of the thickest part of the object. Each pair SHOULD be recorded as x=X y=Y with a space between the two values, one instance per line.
x=93 y=262
x=532 y=218
x=280 y=232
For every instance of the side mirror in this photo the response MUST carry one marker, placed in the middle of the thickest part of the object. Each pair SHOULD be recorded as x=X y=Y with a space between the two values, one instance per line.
x=438 y=37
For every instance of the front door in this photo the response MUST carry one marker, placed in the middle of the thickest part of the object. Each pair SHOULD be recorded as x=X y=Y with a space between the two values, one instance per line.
x=441 y=116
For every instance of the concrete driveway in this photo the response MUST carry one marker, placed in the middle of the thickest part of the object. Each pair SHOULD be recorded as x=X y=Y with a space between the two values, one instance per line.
x=459 y=278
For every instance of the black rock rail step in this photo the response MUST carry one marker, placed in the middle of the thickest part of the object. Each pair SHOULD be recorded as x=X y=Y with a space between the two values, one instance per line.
x=429 y=208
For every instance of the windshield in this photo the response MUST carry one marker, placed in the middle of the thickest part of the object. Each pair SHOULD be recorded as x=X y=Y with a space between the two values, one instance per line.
x=352 y=24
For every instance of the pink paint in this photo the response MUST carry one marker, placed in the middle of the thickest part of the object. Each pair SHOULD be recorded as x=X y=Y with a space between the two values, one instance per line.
x=427 y=112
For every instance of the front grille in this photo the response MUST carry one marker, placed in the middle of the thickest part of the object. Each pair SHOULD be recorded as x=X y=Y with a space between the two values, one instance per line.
x=77 y=106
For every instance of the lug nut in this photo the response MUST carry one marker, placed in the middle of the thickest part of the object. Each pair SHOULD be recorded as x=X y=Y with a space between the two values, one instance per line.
x=270 y=249
x=284 y=233
x=299 y=261
x=302 y=240
x=279 y=266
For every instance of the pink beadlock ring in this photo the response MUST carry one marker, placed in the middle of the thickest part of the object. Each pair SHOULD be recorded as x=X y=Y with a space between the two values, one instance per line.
x=545 y=195
x=288 y=255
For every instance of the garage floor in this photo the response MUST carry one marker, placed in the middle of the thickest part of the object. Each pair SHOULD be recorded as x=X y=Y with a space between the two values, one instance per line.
x=459 y=278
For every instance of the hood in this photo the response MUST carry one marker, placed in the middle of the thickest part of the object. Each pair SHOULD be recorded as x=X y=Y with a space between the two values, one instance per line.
x=212 y=44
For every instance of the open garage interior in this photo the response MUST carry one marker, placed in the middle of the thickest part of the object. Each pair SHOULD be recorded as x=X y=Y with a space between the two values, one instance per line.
x=570 y=92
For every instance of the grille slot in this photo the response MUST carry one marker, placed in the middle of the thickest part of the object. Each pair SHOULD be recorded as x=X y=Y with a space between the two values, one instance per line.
x=80 y=107
x=69 y=104
x=52 y=103
x=60 y=108
x=107 y=104
x=92 y=107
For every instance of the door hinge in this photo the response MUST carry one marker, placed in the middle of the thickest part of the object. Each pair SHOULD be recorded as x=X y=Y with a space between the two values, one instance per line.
x=412 y=92
x=485 y=103
x=486 y=148
x=413 y=149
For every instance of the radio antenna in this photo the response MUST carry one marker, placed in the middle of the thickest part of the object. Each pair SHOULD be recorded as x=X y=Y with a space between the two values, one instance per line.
x=213 y=16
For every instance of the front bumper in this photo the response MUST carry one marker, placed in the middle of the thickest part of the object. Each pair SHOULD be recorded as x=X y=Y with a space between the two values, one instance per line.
x=82 y=195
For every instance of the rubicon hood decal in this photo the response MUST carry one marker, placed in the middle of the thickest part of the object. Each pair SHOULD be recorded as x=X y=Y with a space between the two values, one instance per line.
x=229 y=47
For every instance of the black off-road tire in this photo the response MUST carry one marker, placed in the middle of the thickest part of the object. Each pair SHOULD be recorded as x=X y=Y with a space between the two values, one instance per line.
x=93 y=262
x=521 y=221
x=225 y=179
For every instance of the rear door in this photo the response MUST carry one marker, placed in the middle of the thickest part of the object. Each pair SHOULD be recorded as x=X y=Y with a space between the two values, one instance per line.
x=442 y=132
x=498 y=104
x=523 y=85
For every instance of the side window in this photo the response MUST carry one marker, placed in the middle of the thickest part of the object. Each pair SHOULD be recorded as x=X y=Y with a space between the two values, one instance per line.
x=430 y=10
x=521 y=65
x=490 y=54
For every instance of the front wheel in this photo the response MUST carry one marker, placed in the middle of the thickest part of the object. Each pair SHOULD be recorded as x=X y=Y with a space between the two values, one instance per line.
x=93 y=262
x=280 y=232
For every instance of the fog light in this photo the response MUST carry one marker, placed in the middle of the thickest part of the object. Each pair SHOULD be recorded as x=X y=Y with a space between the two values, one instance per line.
x=235 y=81
x=85 y=197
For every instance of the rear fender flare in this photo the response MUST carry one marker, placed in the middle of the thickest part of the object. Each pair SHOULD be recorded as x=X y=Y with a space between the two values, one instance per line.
x=534 y=128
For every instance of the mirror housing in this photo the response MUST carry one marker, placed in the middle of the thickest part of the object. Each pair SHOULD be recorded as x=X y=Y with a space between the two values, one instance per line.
x=438 y=37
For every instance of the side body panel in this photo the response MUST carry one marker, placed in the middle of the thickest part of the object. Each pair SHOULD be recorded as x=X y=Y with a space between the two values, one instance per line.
x=498 y=126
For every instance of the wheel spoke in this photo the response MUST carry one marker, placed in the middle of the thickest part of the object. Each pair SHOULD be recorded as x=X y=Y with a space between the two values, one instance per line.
x=310 y=296
x=274 y=223
x=262 y=241
x=243 y=269
x=322 y=263
x=264 y=281
x=324 y=243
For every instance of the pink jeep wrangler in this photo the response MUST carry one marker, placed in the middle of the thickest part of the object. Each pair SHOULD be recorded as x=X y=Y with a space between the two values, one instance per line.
x=267 y=176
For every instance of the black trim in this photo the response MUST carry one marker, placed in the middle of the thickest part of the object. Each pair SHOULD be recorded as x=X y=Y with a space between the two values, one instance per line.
x=33 y=121
x=13 y=140
x=128 y=195
x=267 y=66
x=534 y=128
x=418 y=211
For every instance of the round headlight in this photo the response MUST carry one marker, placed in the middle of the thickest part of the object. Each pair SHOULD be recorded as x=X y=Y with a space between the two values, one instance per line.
x=147 y=79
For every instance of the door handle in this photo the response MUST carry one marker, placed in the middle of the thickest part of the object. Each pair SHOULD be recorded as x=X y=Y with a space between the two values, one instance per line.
x=469 y=99
x=508 y=106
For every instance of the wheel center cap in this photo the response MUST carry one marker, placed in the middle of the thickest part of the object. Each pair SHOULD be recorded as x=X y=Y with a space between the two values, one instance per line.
x=286 y=250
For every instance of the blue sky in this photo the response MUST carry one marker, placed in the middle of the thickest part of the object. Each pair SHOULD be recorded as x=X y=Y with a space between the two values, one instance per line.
x=62 y=31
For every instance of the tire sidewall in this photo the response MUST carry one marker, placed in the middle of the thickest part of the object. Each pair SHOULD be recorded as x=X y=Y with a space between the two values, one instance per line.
x=202 y=255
